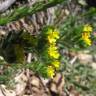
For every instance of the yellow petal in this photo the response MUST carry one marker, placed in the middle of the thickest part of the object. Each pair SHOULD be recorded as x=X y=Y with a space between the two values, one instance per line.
x=88 y=42
x=51 y=39
x=56 y=64
x=50 y=71
x=87 y=28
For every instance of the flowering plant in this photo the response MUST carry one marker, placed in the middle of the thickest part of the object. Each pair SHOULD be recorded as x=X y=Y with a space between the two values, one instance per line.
x=49 y=51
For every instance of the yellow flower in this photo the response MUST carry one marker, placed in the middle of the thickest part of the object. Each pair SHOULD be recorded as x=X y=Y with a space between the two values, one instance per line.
x=51 y=39
x=85 y=35
x=87 y=28
x=56 y=64
x=88 y=41
x=86 y=38
x=50 y=71
x=53 y=52
x=52 y=47
x=56 y=34
x=53 y=35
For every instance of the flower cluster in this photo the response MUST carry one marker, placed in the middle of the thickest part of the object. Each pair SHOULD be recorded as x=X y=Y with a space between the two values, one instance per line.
x=52 y=37
x=53 y=51
x=50 y=71
x=86 y=34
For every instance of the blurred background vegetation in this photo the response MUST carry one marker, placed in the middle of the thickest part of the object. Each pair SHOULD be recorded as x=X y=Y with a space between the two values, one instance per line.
x=78 y=60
